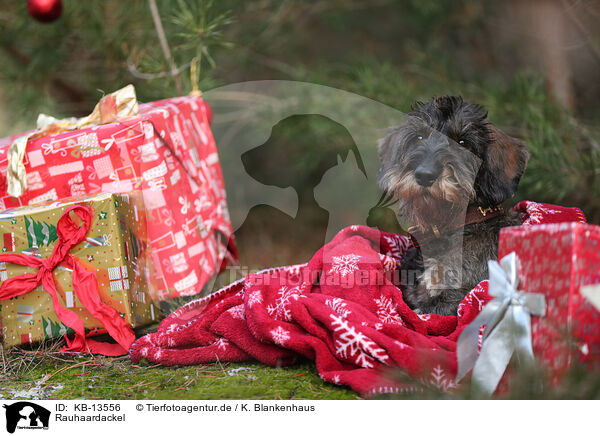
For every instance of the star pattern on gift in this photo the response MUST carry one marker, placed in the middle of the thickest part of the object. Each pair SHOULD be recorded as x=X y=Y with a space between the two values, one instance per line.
x=344 y=264
x=90 y=258
x=13 y=221
x=102 y=215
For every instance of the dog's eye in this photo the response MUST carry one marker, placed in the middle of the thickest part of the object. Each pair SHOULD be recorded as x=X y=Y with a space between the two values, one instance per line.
x=461 y=142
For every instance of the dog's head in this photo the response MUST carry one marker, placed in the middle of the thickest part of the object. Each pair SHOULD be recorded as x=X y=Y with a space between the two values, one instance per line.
x=447 y=156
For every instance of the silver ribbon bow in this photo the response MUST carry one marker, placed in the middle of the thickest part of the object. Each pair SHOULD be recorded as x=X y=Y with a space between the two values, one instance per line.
x=508 y=328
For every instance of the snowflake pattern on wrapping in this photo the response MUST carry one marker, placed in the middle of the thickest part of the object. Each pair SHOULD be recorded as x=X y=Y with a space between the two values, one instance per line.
x=280 y=335
x=345 y=264
x=281 y=309
x=386 y=311
x=352 y=344
x=338 y=306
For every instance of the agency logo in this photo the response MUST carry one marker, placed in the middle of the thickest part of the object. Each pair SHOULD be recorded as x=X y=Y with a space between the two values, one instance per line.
x=26 y=415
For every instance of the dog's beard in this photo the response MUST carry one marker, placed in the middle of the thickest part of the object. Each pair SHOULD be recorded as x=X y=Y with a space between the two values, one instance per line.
x=443 y=204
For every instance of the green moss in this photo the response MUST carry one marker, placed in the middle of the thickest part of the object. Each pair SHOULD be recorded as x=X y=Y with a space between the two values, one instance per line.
x=118 y=378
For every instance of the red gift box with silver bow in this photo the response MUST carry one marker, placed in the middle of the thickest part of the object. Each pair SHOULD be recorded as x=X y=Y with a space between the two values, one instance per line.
x=165 y=150
x=556 y=260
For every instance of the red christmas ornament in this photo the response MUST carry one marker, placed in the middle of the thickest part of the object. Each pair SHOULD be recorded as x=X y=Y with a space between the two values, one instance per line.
x=44 y=11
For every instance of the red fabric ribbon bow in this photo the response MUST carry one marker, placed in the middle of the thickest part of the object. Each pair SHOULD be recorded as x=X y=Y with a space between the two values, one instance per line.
x=85 y=285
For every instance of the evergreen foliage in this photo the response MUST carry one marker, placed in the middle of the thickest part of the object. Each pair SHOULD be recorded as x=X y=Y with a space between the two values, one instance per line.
x=392 y=52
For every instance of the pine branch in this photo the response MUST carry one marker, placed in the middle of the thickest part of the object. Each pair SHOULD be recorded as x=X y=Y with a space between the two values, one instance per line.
x=165 y=46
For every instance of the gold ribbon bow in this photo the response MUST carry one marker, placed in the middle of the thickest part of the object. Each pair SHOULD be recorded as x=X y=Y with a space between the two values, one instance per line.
x=119 y=104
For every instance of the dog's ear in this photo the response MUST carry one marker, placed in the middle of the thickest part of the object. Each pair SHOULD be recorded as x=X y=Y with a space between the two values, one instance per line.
x=504 y=164
x=385 y=146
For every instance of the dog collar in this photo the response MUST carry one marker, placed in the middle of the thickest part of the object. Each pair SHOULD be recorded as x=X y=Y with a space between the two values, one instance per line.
x=475 y=214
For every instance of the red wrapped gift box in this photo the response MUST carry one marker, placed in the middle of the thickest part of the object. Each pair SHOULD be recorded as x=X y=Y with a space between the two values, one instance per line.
x=169 y=153
x=556 y=260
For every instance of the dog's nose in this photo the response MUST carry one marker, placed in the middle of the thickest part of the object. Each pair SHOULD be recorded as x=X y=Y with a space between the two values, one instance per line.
x=425 y=177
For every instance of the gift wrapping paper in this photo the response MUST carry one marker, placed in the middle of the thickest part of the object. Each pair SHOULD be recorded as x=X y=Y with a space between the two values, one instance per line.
x=115 y=249
x=168 y=152
x=556 y=260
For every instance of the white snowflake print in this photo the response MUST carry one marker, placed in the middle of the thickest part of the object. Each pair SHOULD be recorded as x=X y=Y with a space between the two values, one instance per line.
x=237 y=312
x=386 y=311
x=338 y=306
x=537 y=211
x=440 y=380
x=352 y=344
x=479 y=300
x=336 y=379
x=344 y=264
x=281 y=309
x=400 y=345
x=280 y=335
x=397 y=246
x=254 y=297
x=424 y=317
x=388 y=262
x=471 y=296
x=222 y=343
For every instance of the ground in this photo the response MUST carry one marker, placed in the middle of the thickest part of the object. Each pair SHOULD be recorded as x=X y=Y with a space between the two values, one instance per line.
x=46 y=374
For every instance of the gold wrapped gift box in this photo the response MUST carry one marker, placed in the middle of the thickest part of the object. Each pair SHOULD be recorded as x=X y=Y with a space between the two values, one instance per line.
x=115 y=250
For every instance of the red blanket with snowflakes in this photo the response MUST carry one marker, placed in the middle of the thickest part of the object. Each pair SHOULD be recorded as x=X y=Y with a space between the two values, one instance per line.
x=341 y=309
